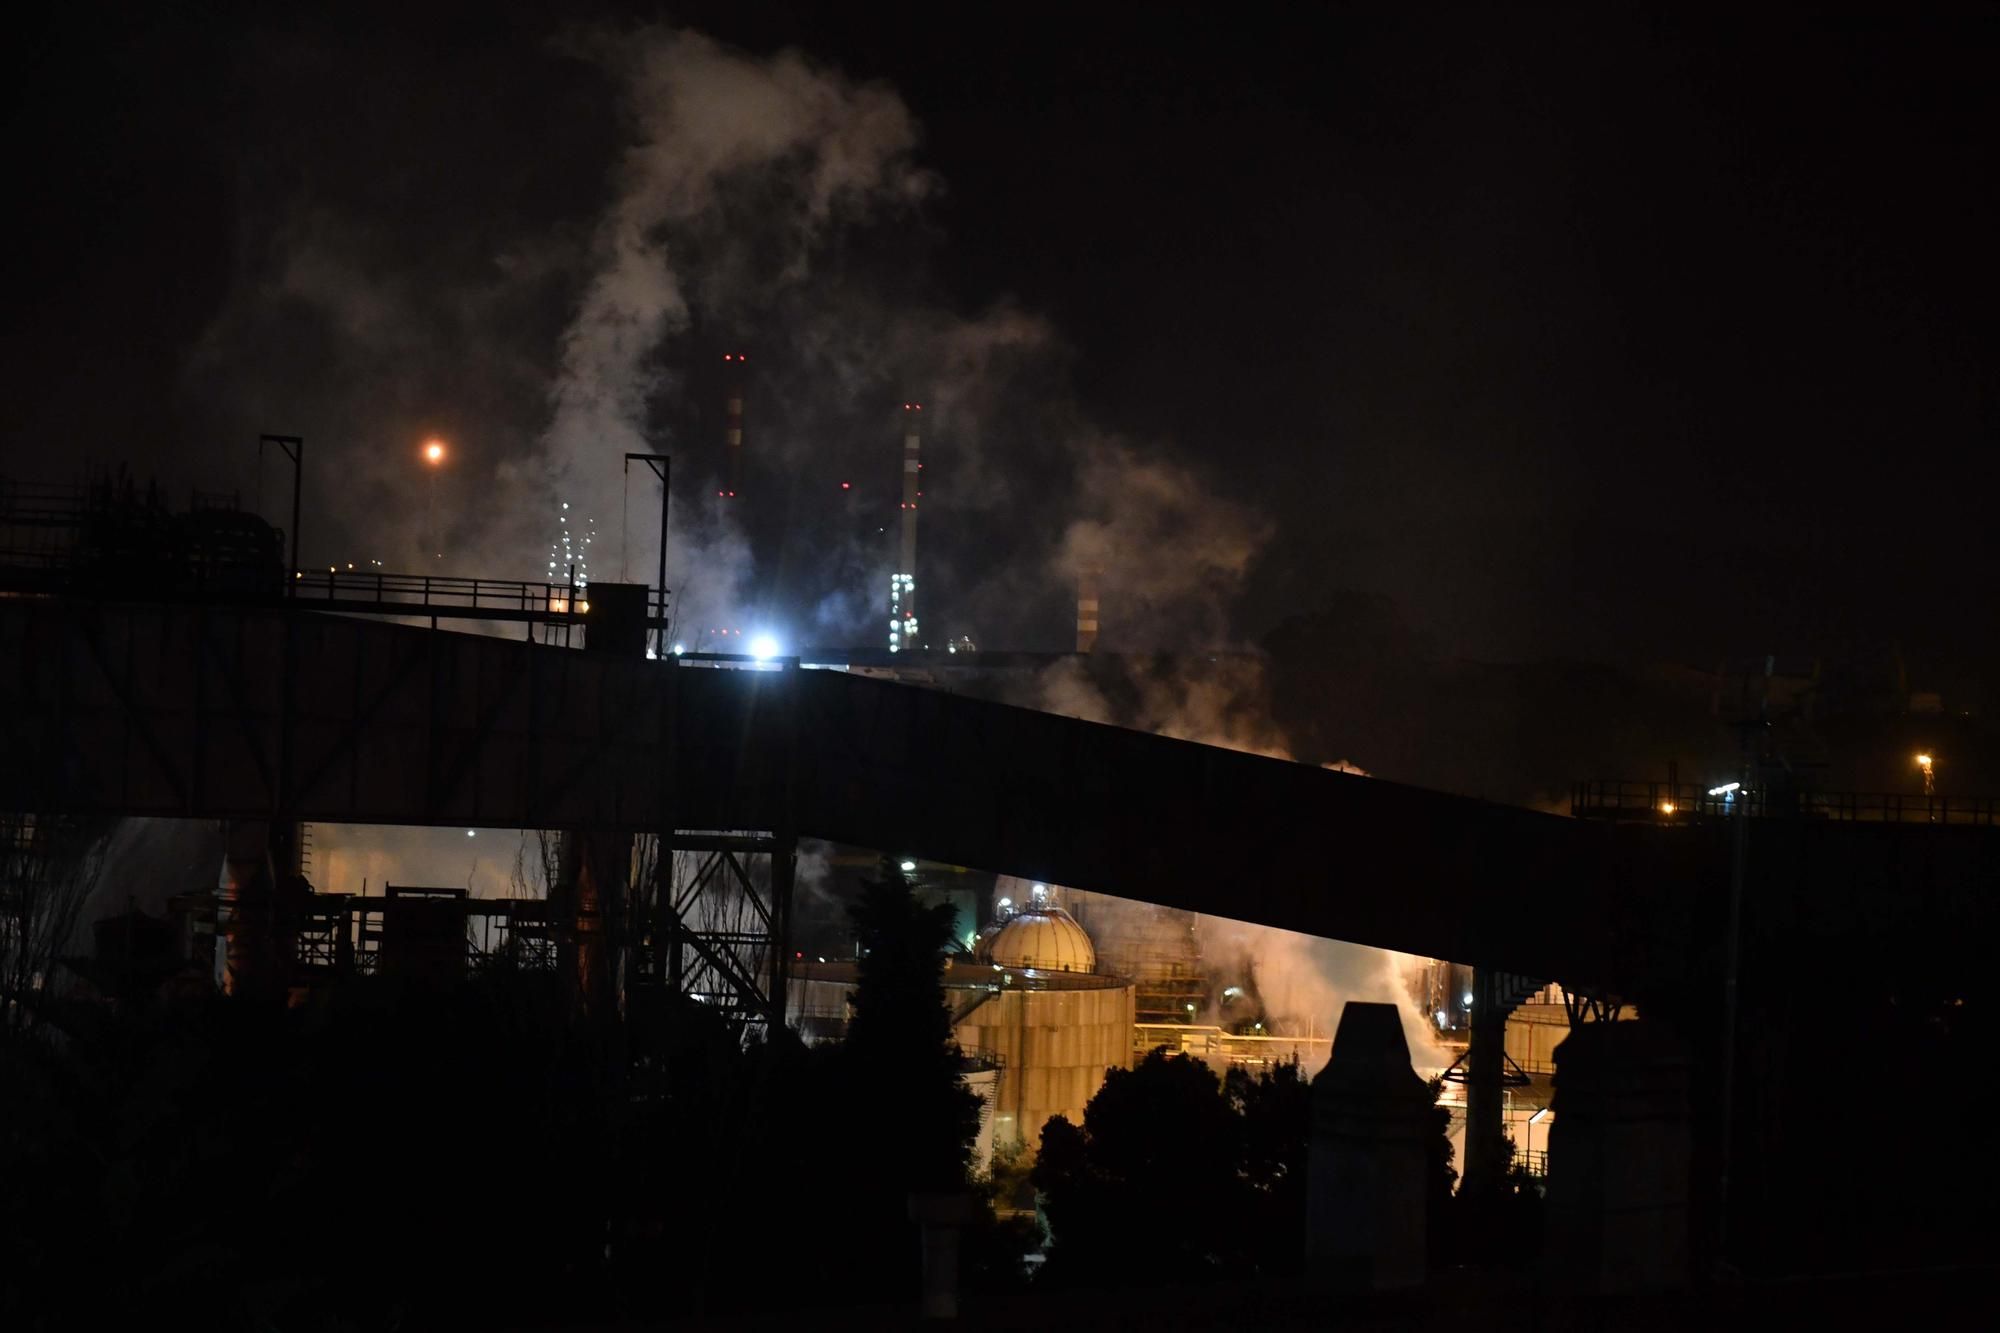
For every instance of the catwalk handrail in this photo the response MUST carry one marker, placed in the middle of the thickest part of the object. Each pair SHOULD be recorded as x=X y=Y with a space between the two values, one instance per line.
x=426 y=592
x=1663 y=802
x=370 y=591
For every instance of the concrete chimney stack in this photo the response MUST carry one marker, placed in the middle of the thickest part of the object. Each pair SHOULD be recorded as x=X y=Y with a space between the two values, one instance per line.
x=1086 y=610
x=903 y=583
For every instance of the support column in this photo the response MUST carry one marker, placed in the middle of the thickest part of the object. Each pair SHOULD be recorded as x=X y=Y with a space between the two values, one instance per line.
x=591 y=902
x=1365 y=1217
x=940 y=1218
x=1619 y=1155
x=1485 y=1096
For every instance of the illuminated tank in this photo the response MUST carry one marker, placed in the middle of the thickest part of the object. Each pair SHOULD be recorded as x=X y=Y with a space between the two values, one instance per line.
x=1039 y=1025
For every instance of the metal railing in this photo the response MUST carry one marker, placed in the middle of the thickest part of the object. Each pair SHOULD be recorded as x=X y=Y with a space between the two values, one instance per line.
x=368 y=592
x=427 y=594
x=1661 y=802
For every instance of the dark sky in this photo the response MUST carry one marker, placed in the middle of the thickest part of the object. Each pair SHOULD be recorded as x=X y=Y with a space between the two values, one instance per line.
x=1599 y=336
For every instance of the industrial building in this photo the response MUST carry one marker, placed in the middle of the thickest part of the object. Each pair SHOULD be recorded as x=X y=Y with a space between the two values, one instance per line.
x=1038 y=1020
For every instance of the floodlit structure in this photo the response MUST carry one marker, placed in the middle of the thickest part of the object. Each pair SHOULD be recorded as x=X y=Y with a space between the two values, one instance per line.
x=1154 y=946
x=1038 y=1023
x=1046 y=1017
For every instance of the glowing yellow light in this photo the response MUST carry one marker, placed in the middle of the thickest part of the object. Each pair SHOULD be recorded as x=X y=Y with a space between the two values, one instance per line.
x=434 y=452
x=582 y=607
x=1923 y=761
x=1666 y=807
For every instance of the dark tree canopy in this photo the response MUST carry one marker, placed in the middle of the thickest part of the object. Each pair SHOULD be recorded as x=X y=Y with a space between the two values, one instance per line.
x=1168 y=1173
x=899 y=1046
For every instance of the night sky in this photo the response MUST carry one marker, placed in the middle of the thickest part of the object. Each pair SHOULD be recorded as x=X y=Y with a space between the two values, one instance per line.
x=1659 y=338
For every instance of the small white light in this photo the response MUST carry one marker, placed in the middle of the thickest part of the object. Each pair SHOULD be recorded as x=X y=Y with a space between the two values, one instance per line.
x=1468 y=999
x=468 y=833
x=1724 y=789
x=1006 y=902
x=909 y=866
x=1190 y=1008
x=679 y=649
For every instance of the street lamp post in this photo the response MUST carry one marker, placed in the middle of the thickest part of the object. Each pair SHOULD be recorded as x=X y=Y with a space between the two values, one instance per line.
x=434 y=457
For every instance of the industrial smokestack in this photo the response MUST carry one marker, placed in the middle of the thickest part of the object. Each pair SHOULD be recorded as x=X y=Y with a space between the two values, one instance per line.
x=903 y=583
x=733 y=416
x=1086 y=609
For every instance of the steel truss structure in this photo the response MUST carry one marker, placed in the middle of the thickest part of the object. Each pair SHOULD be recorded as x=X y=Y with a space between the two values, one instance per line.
x=719 y=907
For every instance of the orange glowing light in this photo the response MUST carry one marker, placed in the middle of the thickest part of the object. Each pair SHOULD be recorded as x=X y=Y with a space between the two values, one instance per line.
x=1666 y=807
x=434 y=452
x=1923 y=761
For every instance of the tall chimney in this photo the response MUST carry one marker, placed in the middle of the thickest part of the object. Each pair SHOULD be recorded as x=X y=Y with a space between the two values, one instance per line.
x=734 y=417
x=903 y=583
x=1086 y=609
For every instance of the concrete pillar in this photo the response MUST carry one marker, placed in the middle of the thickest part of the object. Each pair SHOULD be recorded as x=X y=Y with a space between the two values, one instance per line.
x=1366 y=1165
x=1485 y=1089
x=940 y=1217
x=1619 y=1155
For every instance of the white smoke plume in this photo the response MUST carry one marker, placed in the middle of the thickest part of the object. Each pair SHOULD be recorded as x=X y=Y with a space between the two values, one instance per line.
x=707 y=124
x=730 y=185
x=1210 y=699
x=1170 y=555
x=1306 y=981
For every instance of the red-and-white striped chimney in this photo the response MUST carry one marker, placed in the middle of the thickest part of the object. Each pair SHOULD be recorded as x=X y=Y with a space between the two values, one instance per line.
x=903 y=583
x=733 y=416
x=1086 y=609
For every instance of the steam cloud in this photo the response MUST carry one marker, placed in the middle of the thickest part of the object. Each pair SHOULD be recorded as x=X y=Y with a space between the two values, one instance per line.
x=546 y=333
x=727 y=195
x=708 y=125
x=1303 y=978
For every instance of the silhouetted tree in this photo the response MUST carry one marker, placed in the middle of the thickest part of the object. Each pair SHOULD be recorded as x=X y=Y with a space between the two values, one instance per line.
x=905 y=1120
x=899 y=1040
x=1152 y=1181
x=1276 y=1109
x=1440 y=1222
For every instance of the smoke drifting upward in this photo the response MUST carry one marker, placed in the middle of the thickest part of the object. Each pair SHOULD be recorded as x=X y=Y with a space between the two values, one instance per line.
x=549 y=318
x=1303 y=981
x=547 y=304
x=1302 y=978
x=712 y=130
x=1169 y=555
x=1215 y=700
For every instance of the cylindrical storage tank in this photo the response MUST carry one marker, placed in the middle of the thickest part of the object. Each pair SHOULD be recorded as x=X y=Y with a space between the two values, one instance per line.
x=1053 y=1039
